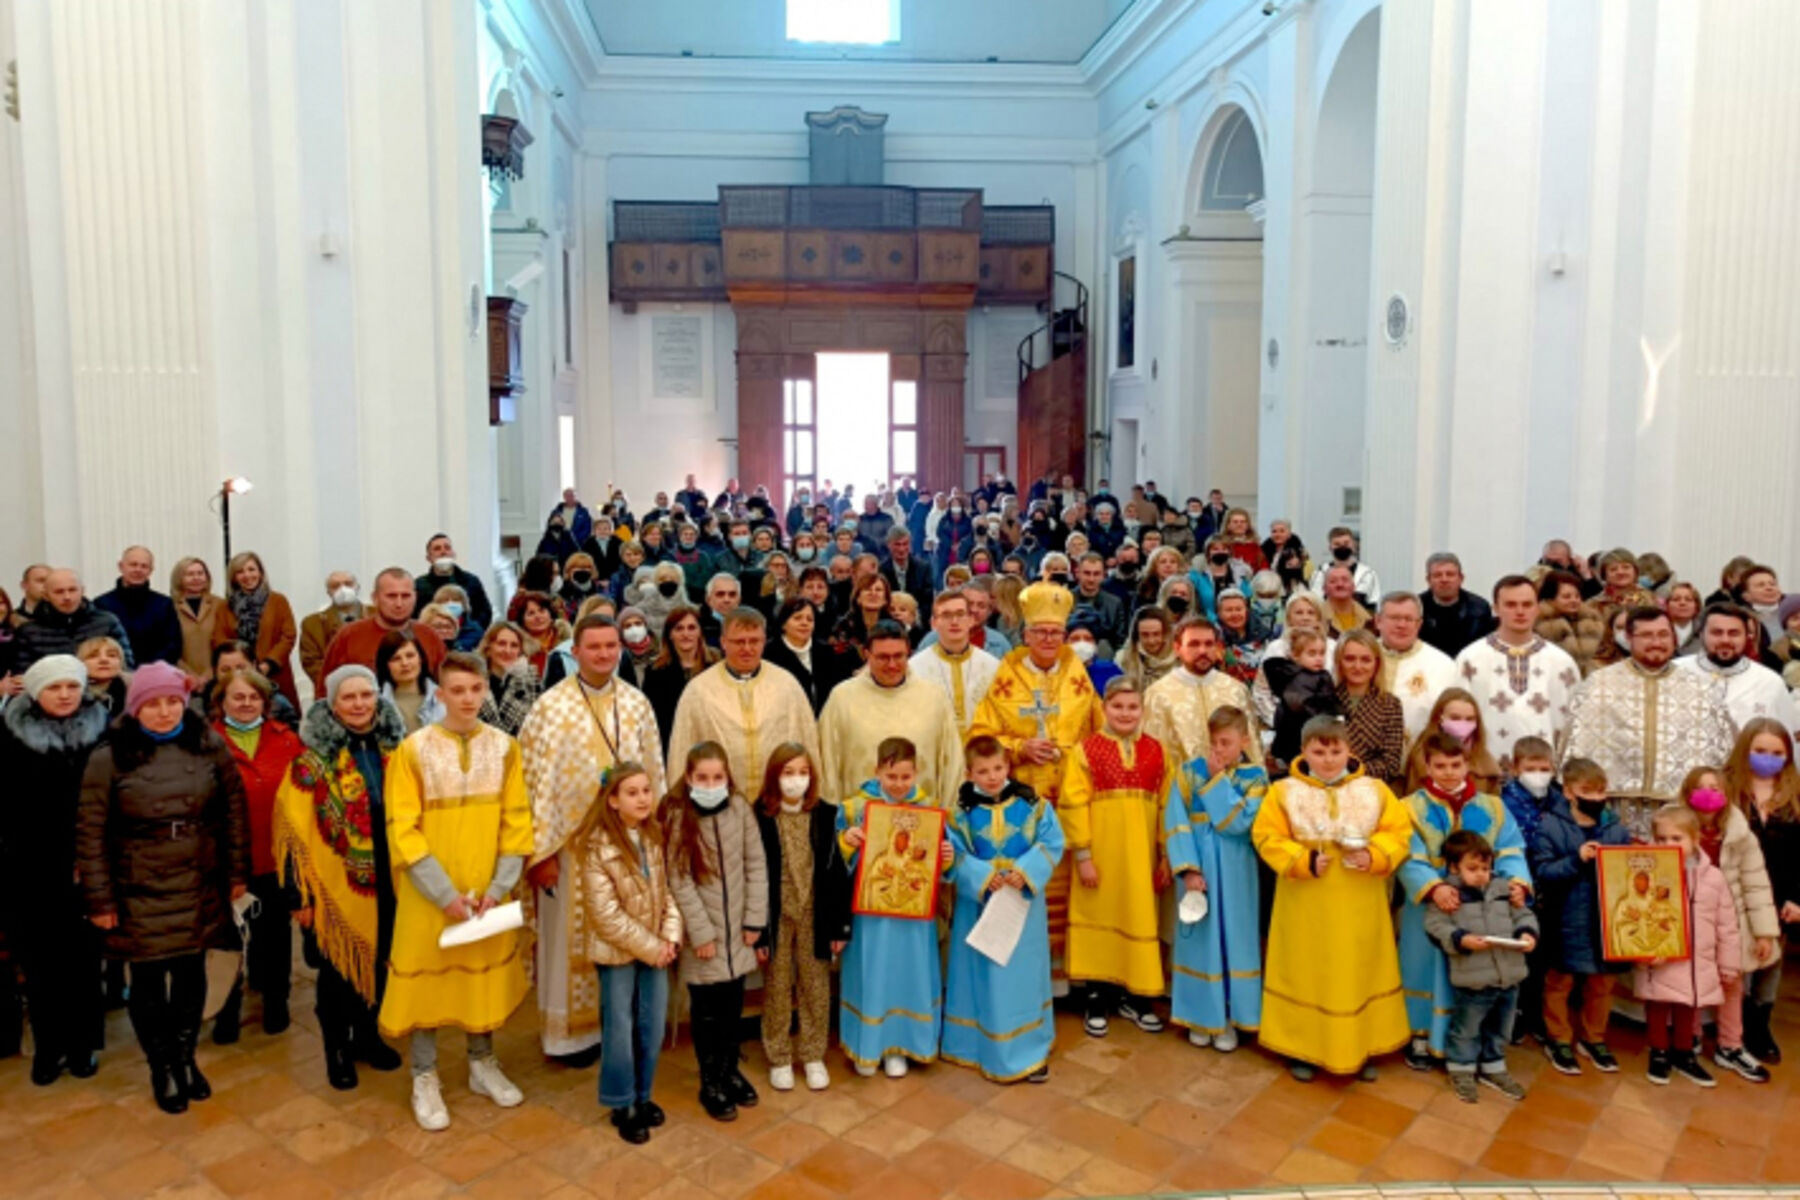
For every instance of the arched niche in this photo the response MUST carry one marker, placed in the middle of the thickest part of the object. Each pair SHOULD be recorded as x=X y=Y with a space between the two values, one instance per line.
x=1225 y=191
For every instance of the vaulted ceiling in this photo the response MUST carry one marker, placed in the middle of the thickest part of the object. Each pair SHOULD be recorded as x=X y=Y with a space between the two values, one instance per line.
x=1015 y=31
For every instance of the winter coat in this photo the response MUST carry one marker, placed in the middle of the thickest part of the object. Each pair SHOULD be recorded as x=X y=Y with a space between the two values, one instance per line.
x=916 y=582
x=828 y=669
x=509 y=698
x=1568 y=890
x=1752 y=895
x=1526 y=810
x=276 y=636
x=1779 y=838
x=277 y=746
x=149 y=619
x=830 y=879
x=1206 y=589
x=162 y=838
x=1581 y=636
x=41 y=759
x=1484 y=913
x=645 y=594
x=1450 y=627
x=1300 y=696
x=734 y=898
x=426 y=587
x=1713 y=936
x=200 y=632
x=1178 y=533
x=630 y=910
x=1113 y=627
x=52 y=631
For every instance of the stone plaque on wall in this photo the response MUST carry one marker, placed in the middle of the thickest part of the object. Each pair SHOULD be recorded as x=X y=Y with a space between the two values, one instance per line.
x=677 y=357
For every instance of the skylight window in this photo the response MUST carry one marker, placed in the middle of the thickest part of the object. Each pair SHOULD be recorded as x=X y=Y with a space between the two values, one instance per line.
x=844 y=22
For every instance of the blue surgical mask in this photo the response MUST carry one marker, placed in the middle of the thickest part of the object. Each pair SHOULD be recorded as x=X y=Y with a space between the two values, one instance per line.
x=454 y=609
x=740 y=542
x=708 y=799
x=243 y=726
x=1766 y=766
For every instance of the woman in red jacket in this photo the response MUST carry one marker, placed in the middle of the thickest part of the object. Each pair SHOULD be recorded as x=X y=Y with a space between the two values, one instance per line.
x=263 y=749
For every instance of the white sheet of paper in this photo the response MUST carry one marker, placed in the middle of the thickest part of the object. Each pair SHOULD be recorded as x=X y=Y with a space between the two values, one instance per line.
x=996 y=932
x=502 y=918
x=1506 y=943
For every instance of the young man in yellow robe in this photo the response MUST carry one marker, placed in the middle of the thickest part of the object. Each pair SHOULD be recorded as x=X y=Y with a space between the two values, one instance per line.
x=1040 y=706
x=1331 y=982
x=459 y=832
x=1113 y=788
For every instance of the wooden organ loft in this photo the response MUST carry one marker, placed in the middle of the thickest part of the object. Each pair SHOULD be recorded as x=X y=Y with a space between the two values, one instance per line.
x=867 y=267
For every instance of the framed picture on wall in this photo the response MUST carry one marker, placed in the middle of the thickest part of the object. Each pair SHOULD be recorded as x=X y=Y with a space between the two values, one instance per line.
x=1127 y=336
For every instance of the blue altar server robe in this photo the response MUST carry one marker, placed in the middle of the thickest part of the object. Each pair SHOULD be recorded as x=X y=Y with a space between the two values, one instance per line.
x=998 y=1019
x=892 y=990
x=1424 y=971
x=1217 y=980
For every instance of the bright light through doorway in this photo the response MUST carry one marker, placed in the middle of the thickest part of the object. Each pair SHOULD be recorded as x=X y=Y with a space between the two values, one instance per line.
x=853 y=419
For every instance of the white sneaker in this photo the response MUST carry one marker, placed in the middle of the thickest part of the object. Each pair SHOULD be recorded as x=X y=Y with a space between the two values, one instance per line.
x=1198 y=1038
x=782 y=1078
x=817 y=1077
x=863 y=1069
x=1225 y=1041
x=428 y=1103
x=895 y=1065
x=485 y=1079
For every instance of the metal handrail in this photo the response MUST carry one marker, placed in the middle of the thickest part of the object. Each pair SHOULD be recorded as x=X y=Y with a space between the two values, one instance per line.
x=1028 y=360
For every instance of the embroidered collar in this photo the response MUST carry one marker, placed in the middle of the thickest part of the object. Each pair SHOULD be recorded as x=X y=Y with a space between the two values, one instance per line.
x=1706 y=664
x=1526 y=651
x=947 y=656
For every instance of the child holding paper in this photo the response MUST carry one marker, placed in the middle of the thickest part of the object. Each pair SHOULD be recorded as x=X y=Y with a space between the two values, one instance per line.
x=997 y=1016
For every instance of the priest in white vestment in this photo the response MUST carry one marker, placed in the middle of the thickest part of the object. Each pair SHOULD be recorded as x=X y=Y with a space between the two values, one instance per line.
x=886 y=700
x=1751 y=689
x=1522 y=684
x=572 y=735
x=1413 y=671
x=1178 y=706
x=746 y=705
x=962 y=669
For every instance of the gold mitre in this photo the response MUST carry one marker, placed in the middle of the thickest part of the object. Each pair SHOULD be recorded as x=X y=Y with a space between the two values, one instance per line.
x=1046 y=604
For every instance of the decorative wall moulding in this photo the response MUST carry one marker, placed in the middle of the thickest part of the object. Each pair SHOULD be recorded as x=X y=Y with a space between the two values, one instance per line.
x=503 y=142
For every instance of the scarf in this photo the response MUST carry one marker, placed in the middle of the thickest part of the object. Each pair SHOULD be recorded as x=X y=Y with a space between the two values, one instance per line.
x=247 y=611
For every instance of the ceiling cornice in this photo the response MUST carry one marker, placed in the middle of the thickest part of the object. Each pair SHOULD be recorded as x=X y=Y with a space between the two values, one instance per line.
x=795 y=147
x=1015 y=80
x=575 y=31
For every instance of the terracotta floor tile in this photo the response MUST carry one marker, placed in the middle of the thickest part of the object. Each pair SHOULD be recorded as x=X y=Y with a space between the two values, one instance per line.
x=470 y=1156
x=789 y=1185
x=889 y=1137
x=1374 y=1111
x=1339 y=1139
x=1306 y=1166
x=1415 y=1161
x=789 y=1142
x=931 y=1111
x=142 y=1175
x=896 y=1183
x=1104 y=1177
x=521 y=1177
x=987 y=1134
x=1525 y=1125
x=1629 y=1157
x=942 y=1163
x=1521 y=1160
x=1463 y=1143
x=1211 y=1173
x=840 y=1168
x=250 y=1170
x=733 y=1171
x=1746 y=1168
x=999 y=1181
x=1051 y=1159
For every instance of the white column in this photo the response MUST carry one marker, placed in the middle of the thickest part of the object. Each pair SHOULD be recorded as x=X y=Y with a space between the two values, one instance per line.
x=1286 y=150
x=594 y=457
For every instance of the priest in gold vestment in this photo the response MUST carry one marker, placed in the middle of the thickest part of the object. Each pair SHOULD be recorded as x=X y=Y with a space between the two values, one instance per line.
x=1177 y=706
x=746 y=705
x=1041 y=705
x=886 y=700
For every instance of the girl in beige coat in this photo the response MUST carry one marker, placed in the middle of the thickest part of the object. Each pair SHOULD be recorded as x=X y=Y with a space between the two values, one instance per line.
x=635 y=936
x=1727 y=839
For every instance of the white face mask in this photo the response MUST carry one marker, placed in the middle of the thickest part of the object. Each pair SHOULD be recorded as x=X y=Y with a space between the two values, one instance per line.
x=1537 y=782
x=636 y=635
x=1083 y=650
x=344 y=597
x=709 y=798
x=794 y=786
x=443 y=566
x=1623 y=641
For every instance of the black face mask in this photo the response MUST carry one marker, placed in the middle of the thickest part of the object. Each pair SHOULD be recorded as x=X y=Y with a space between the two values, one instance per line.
x=668 y=587
x=1128 y=569
x=1218 y=560
x=1343 y=553
x=581 y=579
x=1178 y=604
x=1590 y=808
x=1058 y=577
x=556 y=529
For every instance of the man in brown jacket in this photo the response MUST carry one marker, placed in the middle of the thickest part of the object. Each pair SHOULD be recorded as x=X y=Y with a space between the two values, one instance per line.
x=317 y=630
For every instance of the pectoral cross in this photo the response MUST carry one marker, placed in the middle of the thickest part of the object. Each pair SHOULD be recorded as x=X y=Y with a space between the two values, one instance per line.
x=1041 y=711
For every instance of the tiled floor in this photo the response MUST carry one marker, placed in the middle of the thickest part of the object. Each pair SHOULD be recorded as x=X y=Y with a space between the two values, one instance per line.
x=1129 y=1115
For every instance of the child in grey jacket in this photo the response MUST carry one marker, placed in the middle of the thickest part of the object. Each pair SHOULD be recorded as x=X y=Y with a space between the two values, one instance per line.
x=1484 y=977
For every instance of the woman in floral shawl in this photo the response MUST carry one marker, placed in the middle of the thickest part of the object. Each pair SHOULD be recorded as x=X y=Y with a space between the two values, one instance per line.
x=331 y=846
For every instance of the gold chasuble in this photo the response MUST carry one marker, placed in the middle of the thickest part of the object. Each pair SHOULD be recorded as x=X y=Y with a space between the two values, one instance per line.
x=861 y=714
x=1059 y=704
x=462 y=801
x=748 y=716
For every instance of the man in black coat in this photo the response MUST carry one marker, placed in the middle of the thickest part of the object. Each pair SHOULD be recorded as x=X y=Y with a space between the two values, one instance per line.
x=905 y=573
x=1453 y=618
x=64 y=621
x=444 y=571
x=148 y=616
x=1090 y=592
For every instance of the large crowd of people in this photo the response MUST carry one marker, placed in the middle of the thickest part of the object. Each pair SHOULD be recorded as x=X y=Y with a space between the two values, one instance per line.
x=1233 y=785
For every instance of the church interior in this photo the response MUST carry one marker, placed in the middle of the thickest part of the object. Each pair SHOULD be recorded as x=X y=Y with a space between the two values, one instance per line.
x=1450 y=273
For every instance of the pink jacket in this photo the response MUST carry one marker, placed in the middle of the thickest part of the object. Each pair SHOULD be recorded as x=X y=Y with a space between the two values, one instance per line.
x=1713 y=928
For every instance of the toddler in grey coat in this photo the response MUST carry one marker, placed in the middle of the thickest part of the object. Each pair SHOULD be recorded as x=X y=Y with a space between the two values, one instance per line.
x=1484 y=976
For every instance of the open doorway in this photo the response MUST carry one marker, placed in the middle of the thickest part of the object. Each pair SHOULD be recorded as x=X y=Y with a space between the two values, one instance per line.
x=862 y=437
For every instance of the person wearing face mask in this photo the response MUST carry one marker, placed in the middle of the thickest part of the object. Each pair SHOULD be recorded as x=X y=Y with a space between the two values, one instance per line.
x=1528 y=793
x=954 y=535
x=1083 y=640
x=1219 y=573
x=640 y=645
x=1126 y=575
x=46 y=735
x=1752 y=690
x=1648 y=723
x=441 y=554
x=558 y=541
x=1343 y=547
x=316 y=631
x=581 y=579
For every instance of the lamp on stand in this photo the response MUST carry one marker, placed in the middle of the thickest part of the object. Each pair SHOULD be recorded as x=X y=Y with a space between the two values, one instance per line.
x=235 y=486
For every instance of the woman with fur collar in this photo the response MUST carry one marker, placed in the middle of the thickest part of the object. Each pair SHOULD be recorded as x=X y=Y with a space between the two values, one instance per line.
x=45 y=737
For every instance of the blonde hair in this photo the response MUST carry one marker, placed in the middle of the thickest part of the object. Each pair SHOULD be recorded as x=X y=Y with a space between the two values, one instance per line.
x=180 y=569
x=238 y=562
x=1006 y=599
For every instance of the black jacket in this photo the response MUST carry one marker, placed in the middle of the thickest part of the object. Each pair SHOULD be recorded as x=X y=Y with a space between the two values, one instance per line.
x=162 y=837
x=830 y=879
x=52 y=631
x=149 y=619
x=41 y=759
x=427 y=585
x=1450 y=627
x=827 y=670
x=1300 y=695
x=917 y=583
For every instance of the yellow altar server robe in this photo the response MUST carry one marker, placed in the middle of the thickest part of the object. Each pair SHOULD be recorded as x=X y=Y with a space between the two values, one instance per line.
x=463 y=802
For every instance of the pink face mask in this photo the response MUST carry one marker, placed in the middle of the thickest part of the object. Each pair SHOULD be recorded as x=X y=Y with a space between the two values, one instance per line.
x=1706 y=800
x=1460 y=728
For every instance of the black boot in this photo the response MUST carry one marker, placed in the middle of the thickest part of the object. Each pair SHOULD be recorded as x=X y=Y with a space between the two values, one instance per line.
x=193 y=1084
x=340 y=1063
x=166 y=1077
x=1758 y=1038
x=630 y=1125
x=731 y=1077
x=228 y=1025
x=275 y=1018
x=46 y=1065
x=715 y=1097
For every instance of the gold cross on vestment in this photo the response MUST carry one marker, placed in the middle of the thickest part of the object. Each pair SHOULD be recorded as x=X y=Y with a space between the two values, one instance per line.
x=1041 y=711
